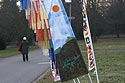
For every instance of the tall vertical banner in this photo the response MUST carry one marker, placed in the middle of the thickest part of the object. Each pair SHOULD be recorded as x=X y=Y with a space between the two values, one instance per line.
x=69 y=60
x=87 y=37
x=88 y=41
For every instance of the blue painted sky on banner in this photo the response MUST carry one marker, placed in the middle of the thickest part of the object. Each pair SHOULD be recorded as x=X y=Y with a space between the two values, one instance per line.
x=59 y=23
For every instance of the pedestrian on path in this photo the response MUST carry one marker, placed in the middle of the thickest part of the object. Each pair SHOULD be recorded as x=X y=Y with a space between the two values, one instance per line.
x=24 y=48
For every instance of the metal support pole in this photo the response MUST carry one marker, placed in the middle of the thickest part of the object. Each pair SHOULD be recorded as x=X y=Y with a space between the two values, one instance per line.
x=74 y=81
x=78 y=80
x=70 y=11
x=97 y=77
x=90 y=78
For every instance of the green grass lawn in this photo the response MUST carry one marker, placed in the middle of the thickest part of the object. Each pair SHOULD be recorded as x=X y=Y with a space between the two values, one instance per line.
x=110 y=64
x=13 y=51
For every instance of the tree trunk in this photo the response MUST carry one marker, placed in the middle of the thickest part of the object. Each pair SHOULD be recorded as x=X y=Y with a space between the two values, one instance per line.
x=117 y=31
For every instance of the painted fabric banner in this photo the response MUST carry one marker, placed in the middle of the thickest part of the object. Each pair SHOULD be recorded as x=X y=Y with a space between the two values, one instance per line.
x=38 y=20
x=59 y=23
x=69 y=60
x=53 y=66
x=23 y=5
x=87 y=37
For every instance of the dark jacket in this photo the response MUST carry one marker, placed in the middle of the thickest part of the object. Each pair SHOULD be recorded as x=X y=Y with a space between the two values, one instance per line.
x=25 y=47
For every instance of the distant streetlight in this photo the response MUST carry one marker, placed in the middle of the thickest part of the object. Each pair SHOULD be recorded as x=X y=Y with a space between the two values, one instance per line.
x=69 y=1
x=1 y=0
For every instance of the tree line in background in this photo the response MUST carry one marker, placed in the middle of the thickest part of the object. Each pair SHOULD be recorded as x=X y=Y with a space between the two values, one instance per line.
x=105 y=17
x=13 y=25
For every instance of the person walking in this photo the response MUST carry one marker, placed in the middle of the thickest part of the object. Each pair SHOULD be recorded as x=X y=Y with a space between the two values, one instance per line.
x=24 y=49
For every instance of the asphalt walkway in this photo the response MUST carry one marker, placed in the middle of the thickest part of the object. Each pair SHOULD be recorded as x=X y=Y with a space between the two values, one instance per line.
x=14 y=70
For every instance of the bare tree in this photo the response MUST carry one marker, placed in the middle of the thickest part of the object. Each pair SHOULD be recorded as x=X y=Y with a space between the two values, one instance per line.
x=13 y=24
x=116 y=16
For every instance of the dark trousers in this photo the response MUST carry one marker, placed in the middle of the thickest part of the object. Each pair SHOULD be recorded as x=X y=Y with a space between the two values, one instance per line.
x=25 y=57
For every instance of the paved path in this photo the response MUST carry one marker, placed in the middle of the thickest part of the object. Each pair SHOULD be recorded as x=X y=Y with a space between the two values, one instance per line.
x=14 y=70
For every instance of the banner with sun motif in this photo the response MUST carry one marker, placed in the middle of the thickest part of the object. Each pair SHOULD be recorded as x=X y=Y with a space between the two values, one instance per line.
x=59 y=23
x=87 y=37
x=69 y=60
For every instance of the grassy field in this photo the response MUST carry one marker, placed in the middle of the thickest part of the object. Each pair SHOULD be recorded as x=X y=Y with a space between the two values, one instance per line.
x=13 y=51
x=110 y=58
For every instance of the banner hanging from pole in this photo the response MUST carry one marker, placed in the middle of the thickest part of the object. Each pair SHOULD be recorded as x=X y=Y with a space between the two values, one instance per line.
x=69 y=59
x=88 y=41
x=38 y=20
x=87 y=37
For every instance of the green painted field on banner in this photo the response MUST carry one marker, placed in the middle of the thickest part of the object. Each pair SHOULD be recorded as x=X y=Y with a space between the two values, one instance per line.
x=110 y=60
